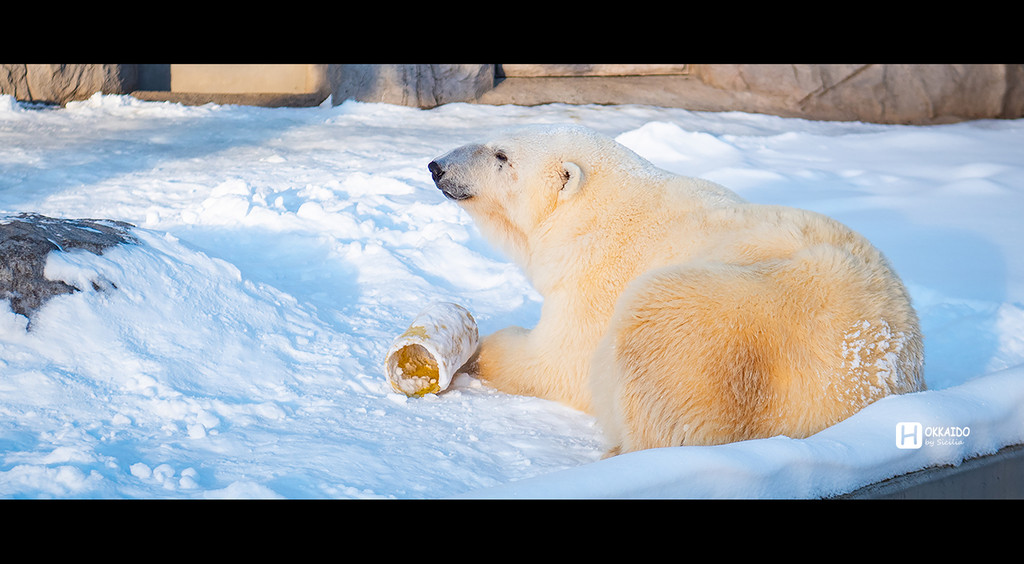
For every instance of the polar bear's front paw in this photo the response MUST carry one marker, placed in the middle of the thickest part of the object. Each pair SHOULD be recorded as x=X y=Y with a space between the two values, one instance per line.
x=504 y=358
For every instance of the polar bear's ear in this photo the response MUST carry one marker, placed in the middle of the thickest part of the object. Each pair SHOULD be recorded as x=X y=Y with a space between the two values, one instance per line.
x=573 y=175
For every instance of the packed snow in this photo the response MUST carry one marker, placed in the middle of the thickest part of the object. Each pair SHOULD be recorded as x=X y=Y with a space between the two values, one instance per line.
x=239 y=353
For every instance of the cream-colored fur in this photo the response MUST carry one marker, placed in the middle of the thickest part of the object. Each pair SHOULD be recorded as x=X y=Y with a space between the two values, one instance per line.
x=674 y=311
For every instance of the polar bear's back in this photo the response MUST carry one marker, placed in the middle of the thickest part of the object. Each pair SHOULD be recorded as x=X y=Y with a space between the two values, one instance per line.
x=792 y=325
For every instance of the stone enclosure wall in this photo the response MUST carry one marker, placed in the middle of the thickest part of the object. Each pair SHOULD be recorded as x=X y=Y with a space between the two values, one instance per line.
x=59 y=84
x=883 y=93
x=877 y=93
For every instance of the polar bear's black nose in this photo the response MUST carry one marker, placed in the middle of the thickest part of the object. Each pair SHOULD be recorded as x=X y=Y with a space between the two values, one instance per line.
x=435 y=170
x=445 y=182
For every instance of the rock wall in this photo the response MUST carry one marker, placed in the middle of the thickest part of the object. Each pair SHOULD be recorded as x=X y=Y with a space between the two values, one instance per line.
x=423 y=86
x=889 y=93
x=883 y=93
x=60 y=84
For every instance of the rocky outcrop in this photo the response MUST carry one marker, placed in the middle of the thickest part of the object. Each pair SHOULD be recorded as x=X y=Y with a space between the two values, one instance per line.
x=27 y=239
x=60 y=84
x=423 y=86
x=881 y=93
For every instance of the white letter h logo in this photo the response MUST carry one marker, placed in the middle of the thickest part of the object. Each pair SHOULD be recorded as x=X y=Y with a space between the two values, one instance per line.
x=908 y=435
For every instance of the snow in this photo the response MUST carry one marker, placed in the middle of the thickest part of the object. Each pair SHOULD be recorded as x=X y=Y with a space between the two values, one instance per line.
x=239 y=354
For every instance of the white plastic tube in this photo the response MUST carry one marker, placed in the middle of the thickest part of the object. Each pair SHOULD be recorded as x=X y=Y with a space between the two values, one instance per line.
x=423 y=360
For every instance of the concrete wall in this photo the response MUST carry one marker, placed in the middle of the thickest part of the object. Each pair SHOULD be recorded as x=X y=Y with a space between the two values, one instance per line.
x=245 y=79
x=253 y=84
x=888 y=93
x=997 y=476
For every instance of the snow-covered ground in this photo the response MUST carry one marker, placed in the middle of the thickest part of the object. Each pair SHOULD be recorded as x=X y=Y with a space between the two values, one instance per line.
x=283 y=249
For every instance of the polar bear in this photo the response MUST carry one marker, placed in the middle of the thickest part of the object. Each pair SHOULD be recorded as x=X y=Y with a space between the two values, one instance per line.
x=675 y=312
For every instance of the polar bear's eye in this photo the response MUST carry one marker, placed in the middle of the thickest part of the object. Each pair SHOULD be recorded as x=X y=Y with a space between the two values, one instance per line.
x=500 y=155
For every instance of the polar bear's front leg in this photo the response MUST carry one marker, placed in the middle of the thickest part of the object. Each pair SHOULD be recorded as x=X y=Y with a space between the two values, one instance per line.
x=504 y=358
x=514 y=361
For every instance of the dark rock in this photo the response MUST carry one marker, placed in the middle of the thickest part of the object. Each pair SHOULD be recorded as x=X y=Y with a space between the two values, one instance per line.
x=423 y=86
x=27 y=239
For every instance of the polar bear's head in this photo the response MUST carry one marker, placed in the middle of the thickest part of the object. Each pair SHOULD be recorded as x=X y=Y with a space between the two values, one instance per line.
x=515 y=183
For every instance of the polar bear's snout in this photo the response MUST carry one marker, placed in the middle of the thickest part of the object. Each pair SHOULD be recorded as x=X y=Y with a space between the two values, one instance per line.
x=436 y=172
x=444 y=172
x=445 y=183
